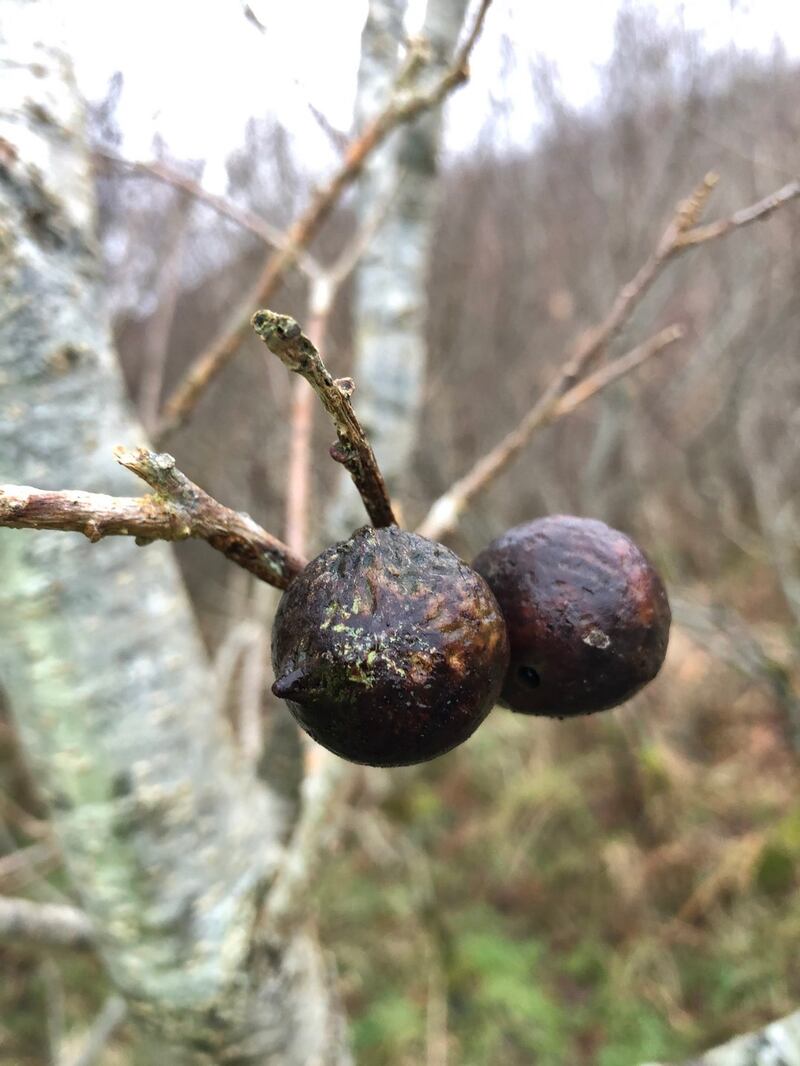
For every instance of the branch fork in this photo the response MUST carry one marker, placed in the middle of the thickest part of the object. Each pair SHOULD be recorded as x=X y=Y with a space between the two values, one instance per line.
x=403 y=106
x=176 y=510
x=572 y=384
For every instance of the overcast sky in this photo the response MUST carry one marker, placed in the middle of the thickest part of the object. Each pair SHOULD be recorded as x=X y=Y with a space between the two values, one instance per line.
x=195 y=71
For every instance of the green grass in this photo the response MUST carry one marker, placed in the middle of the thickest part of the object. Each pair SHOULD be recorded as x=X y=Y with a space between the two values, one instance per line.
x=603 y=892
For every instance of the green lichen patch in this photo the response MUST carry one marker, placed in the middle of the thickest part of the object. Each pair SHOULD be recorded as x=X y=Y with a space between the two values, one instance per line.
x=388 y=648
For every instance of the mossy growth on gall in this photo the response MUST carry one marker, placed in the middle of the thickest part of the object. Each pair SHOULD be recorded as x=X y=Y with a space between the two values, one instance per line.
x=388 y=649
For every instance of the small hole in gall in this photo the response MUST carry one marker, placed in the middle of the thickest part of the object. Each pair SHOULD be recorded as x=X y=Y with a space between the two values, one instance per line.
x=529 y=676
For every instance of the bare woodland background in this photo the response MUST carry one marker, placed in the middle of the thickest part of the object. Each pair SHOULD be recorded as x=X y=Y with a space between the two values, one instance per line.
x=606 y=891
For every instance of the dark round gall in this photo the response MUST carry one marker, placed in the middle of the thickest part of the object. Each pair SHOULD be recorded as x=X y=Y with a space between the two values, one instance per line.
x=388 y=649
x=587 y=615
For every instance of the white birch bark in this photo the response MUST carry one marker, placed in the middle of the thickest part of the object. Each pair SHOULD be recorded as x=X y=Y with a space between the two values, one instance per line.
x=167 y=836
x=777 y=1044
x=390 y=304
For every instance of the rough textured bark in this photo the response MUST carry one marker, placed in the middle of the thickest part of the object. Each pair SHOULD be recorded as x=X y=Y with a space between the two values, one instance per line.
x=777 y=1044
x=391 y=280
x=168 y=838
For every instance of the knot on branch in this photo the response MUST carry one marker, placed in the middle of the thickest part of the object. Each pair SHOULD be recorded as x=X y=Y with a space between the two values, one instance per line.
x=342 y=452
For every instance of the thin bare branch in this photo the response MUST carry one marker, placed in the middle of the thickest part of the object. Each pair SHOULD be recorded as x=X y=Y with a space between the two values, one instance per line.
x=444 y=514
x=251 y=221
x=250 y=731
x=607 y=375
x=251 y=17
x=26 y=864
x=284 y=338
x=404 y=105
x=683 y=232
x=45 y=925
x=729 y=637
x=324 y=287
x=221 y=205
x=298 y=467
x=325 y=778
x=111 y=1016
x=348 y=258
x=176 y=510
x=53 y=997
x=754 y=213
x=156 y=344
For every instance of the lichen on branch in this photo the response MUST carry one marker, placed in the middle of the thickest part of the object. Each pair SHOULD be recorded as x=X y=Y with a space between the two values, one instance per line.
x=177 y=509
x=284 y=338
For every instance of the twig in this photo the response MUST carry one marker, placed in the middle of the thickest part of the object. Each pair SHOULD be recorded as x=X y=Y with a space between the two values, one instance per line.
x=221 y=205
x=724 y=633
x=324 y=285
x=53 y=995
x=298 y=467
x=103 y=1028
x=682 y=234
x=324 y=777
x=25 y=864
x=176 y=510
x=745 y=217
x=227 y=660
x=444 y=514
x=48 y=925
x=250 y=221
x=403 y=106
x=348 y=258
x=298 y=477
x=284 y=338
x=156 y=347
x=601 y=379
x=250 y=724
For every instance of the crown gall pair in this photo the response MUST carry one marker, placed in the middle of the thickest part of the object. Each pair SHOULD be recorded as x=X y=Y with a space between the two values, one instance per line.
x=389 y=650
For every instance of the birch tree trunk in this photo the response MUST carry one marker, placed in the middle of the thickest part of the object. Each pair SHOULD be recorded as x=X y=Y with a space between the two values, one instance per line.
x=168 y=838
x=391 y=302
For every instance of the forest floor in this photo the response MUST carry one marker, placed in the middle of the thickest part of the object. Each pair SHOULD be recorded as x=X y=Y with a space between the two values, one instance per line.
x=605 y=891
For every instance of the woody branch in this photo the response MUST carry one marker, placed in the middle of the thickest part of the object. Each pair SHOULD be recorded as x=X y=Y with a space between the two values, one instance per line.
x=570 y=387
x=177 y=509
x=284 y=338
x=44 y=925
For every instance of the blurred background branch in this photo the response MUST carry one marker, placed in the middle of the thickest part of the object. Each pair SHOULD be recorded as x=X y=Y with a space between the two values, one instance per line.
x=406 y=102
x=682 y=233
x=44 y=924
